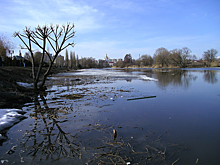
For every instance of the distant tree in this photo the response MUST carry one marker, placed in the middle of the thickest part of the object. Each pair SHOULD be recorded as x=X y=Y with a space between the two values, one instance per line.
x=194 y=57
x=37 y=58
x=5 y=45
x=82 y=62
x=27 y=59
x=180 y=57
x=27 y=56
x=54 y=36
x=88 y=62
x=138 y=62
x=119 y=64
x=67 y=59
x=210 y=55
x=161 y=56
x=77 y=61
x=146 y=60
x=71 y=60
x=175 y=57
x=186 y=56
x=74 y=59
x=128 y=58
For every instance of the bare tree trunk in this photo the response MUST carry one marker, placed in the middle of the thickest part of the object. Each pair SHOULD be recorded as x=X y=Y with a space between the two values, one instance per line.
x=45 y=76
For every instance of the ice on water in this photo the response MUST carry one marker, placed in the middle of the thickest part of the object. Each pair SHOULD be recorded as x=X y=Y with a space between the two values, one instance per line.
x=108 y=73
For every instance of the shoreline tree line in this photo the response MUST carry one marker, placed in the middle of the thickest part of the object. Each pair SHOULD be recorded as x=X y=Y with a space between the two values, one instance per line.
x=181 y=58
x=162 y=58
x=178 y=58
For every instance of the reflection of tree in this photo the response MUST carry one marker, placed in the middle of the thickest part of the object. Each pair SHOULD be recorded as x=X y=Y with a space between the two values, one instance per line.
x=210 y=76
x=47 y=139
x=175 y=77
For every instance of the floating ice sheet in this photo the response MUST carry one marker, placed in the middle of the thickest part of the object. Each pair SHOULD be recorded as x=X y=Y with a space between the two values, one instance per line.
x=107 y=73
x=147 y=78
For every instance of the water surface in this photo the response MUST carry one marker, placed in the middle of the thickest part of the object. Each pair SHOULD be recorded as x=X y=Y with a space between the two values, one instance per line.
x=161 y=116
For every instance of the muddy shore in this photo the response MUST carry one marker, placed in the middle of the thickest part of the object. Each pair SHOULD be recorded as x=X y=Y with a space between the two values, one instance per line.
x=13 y=95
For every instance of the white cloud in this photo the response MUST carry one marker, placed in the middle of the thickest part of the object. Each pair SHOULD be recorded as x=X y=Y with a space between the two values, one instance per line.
x=33 y=13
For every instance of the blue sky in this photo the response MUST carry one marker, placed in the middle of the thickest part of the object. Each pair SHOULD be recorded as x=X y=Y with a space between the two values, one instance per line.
x=118 y=27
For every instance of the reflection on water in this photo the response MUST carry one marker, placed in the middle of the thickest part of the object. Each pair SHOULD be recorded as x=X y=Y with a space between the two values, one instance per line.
x=47 y=139
x=175 y=78
x=210 y=76
x=117 y=117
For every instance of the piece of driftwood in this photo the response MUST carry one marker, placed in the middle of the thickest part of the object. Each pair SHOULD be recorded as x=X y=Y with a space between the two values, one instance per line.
x=138 y=98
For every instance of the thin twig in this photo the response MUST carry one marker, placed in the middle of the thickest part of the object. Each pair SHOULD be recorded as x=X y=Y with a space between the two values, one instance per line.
x=175 y=161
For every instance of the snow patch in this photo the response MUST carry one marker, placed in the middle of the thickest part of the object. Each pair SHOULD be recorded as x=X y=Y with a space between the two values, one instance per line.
x=26 y=85
x=9 y=117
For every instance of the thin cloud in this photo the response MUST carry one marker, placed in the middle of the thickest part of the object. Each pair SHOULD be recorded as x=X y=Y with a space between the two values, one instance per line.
x=33 y=13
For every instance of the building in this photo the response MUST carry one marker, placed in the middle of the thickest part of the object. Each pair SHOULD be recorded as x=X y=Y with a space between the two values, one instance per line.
x=107 y=59
x=46 y=58
x=59 y=61
x=110 y=62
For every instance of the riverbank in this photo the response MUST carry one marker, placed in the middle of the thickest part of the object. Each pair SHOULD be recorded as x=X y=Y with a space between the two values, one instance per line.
x=169 y=67
x=13 y=95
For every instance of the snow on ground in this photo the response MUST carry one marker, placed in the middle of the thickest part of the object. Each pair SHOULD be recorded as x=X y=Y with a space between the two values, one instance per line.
x=9 y=117
x=26 y=85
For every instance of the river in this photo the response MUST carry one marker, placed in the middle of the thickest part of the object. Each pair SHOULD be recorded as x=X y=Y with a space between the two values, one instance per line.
x=120 y=116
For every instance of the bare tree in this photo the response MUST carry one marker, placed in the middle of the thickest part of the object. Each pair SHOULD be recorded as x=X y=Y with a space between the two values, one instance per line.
x=194 y=57
x=27 y=56
x=161 y=56
x=77 y=61
x=210 y=55
x=37 y=58
x=71 y=59
x=5 y=45
x=146 y=60
x=128 y=60
x=175 y=57
x=54 y=36
x=186 y=56
x=67 y=59
x=74 y=60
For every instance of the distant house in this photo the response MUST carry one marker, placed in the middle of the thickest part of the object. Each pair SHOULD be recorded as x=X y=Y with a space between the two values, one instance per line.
x=114 y=60
x=106 y=58
x=107 y=61
x=110 y=62
x=19 y=60
x=46 y=58
x=59 y=61
x=18 y=57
